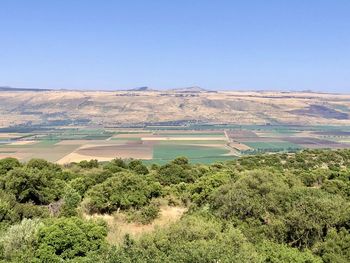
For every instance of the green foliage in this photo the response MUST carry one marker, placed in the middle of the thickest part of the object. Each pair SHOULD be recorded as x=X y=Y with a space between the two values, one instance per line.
x=262 y=208
x=309 y=212
x=146 y=214
x=174 y=173
x=8 y=164
x=12 y=212
x=123 y=191
x=30 y=210
x=32 y=184
x=7 y=204
x=71 y=200
x=255 y=195
x=297 y=216
x=115 y=165
x=68 y=238
x=41 y=164
x=194 y=239
x=83 y=183
x=138 y=167
x=276 y=253
x=88 y=164
x=335 y=247
x=20 y=239
x=182 y=161
x=201 y=189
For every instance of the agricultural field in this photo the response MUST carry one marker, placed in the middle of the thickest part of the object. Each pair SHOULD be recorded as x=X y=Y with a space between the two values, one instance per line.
x=200 y=143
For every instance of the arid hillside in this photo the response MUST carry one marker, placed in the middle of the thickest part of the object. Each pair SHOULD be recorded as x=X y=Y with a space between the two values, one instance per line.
x=113 y=108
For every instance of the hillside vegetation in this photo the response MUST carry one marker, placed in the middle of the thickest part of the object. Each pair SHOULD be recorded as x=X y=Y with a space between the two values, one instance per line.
x=263 y=208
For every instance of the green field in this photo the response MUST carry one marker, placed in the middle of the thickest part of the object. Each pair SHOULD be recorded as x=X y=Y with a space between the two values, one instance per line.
x=74 y=134
x=193 y=141
x=126 y=139
x=163 y=153
x=272 y=145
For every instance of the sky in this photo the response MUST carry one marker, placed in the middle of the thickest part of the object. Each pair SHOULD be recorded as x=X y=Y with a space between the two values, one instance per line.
x=214 y=44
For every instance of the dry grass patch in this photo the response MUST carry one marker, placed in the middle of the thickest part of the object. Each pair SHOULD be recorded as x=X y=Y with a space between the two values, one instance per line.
x=118 y=226
x=76 y=157
x=136 y=151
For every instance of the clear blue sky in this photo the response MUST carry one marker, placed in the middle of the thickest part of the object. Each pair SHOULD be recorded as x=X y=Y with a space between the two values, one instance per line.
x=217 y=44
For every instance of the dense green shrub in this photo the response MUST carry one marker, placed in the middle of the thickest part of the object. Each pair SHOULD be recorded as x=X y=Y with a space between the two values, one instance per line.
x=71 y=200
x=202 y=188
x=7 y=204
x=8 y=164
x=173 y=173
x=138 y=167
x=41 y=164
x=69 y=238
x=39 y=186
x=115 y=165
x=146 y=214
x=335 y=247
x=19 y=240
x=123 y=191
x=88 y=164
x=276 y=253
x=255 y=195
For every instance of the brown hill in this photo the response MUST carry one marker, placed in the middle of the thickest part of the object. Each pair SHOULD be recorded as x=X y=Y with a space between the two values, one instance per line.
x=136 y=107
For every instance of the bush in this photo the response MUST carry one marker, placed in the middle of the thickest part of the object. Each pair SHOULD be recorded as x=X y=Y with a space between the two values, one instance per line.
x=193 y=239
x=174 y=173
x=116 y=165
x=33 y=185
x=8 y=164
x=138 y=167
x=88 y=164
x=19 y=240
x=30 y=210
x=69 y=238
x=71 y=199
x=123 y=191
x=146 y=214
x=276 y=253
x=7 y=204
x=335 y=247
x=41 y=164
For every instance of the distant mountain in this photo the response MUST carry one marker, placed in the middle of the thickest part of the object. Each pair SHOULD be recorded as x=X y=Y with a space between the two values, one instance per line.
x=193 y=89
x=21 y=89
x=189 y=89
x=141 y=89
x=112 y=109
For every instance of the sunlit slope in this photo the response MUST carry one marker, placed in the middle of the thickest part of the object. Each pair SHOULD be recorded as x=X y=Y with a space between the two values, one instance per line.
x=138 y=107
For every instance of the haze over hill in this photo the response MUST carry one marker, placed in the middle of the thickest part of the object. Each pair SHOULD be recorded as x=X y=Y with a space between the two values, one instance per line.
x=176 y=106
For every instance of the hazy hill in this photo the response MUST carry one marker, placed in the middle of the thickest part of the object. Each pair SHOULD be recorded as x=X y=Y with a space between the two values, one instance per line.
x=111 y=108
x=20 y=89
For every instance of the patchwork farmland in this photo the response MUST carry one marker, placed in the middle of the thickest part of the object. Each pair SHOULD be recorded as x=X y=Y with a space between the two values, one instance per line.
x=201 y=144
